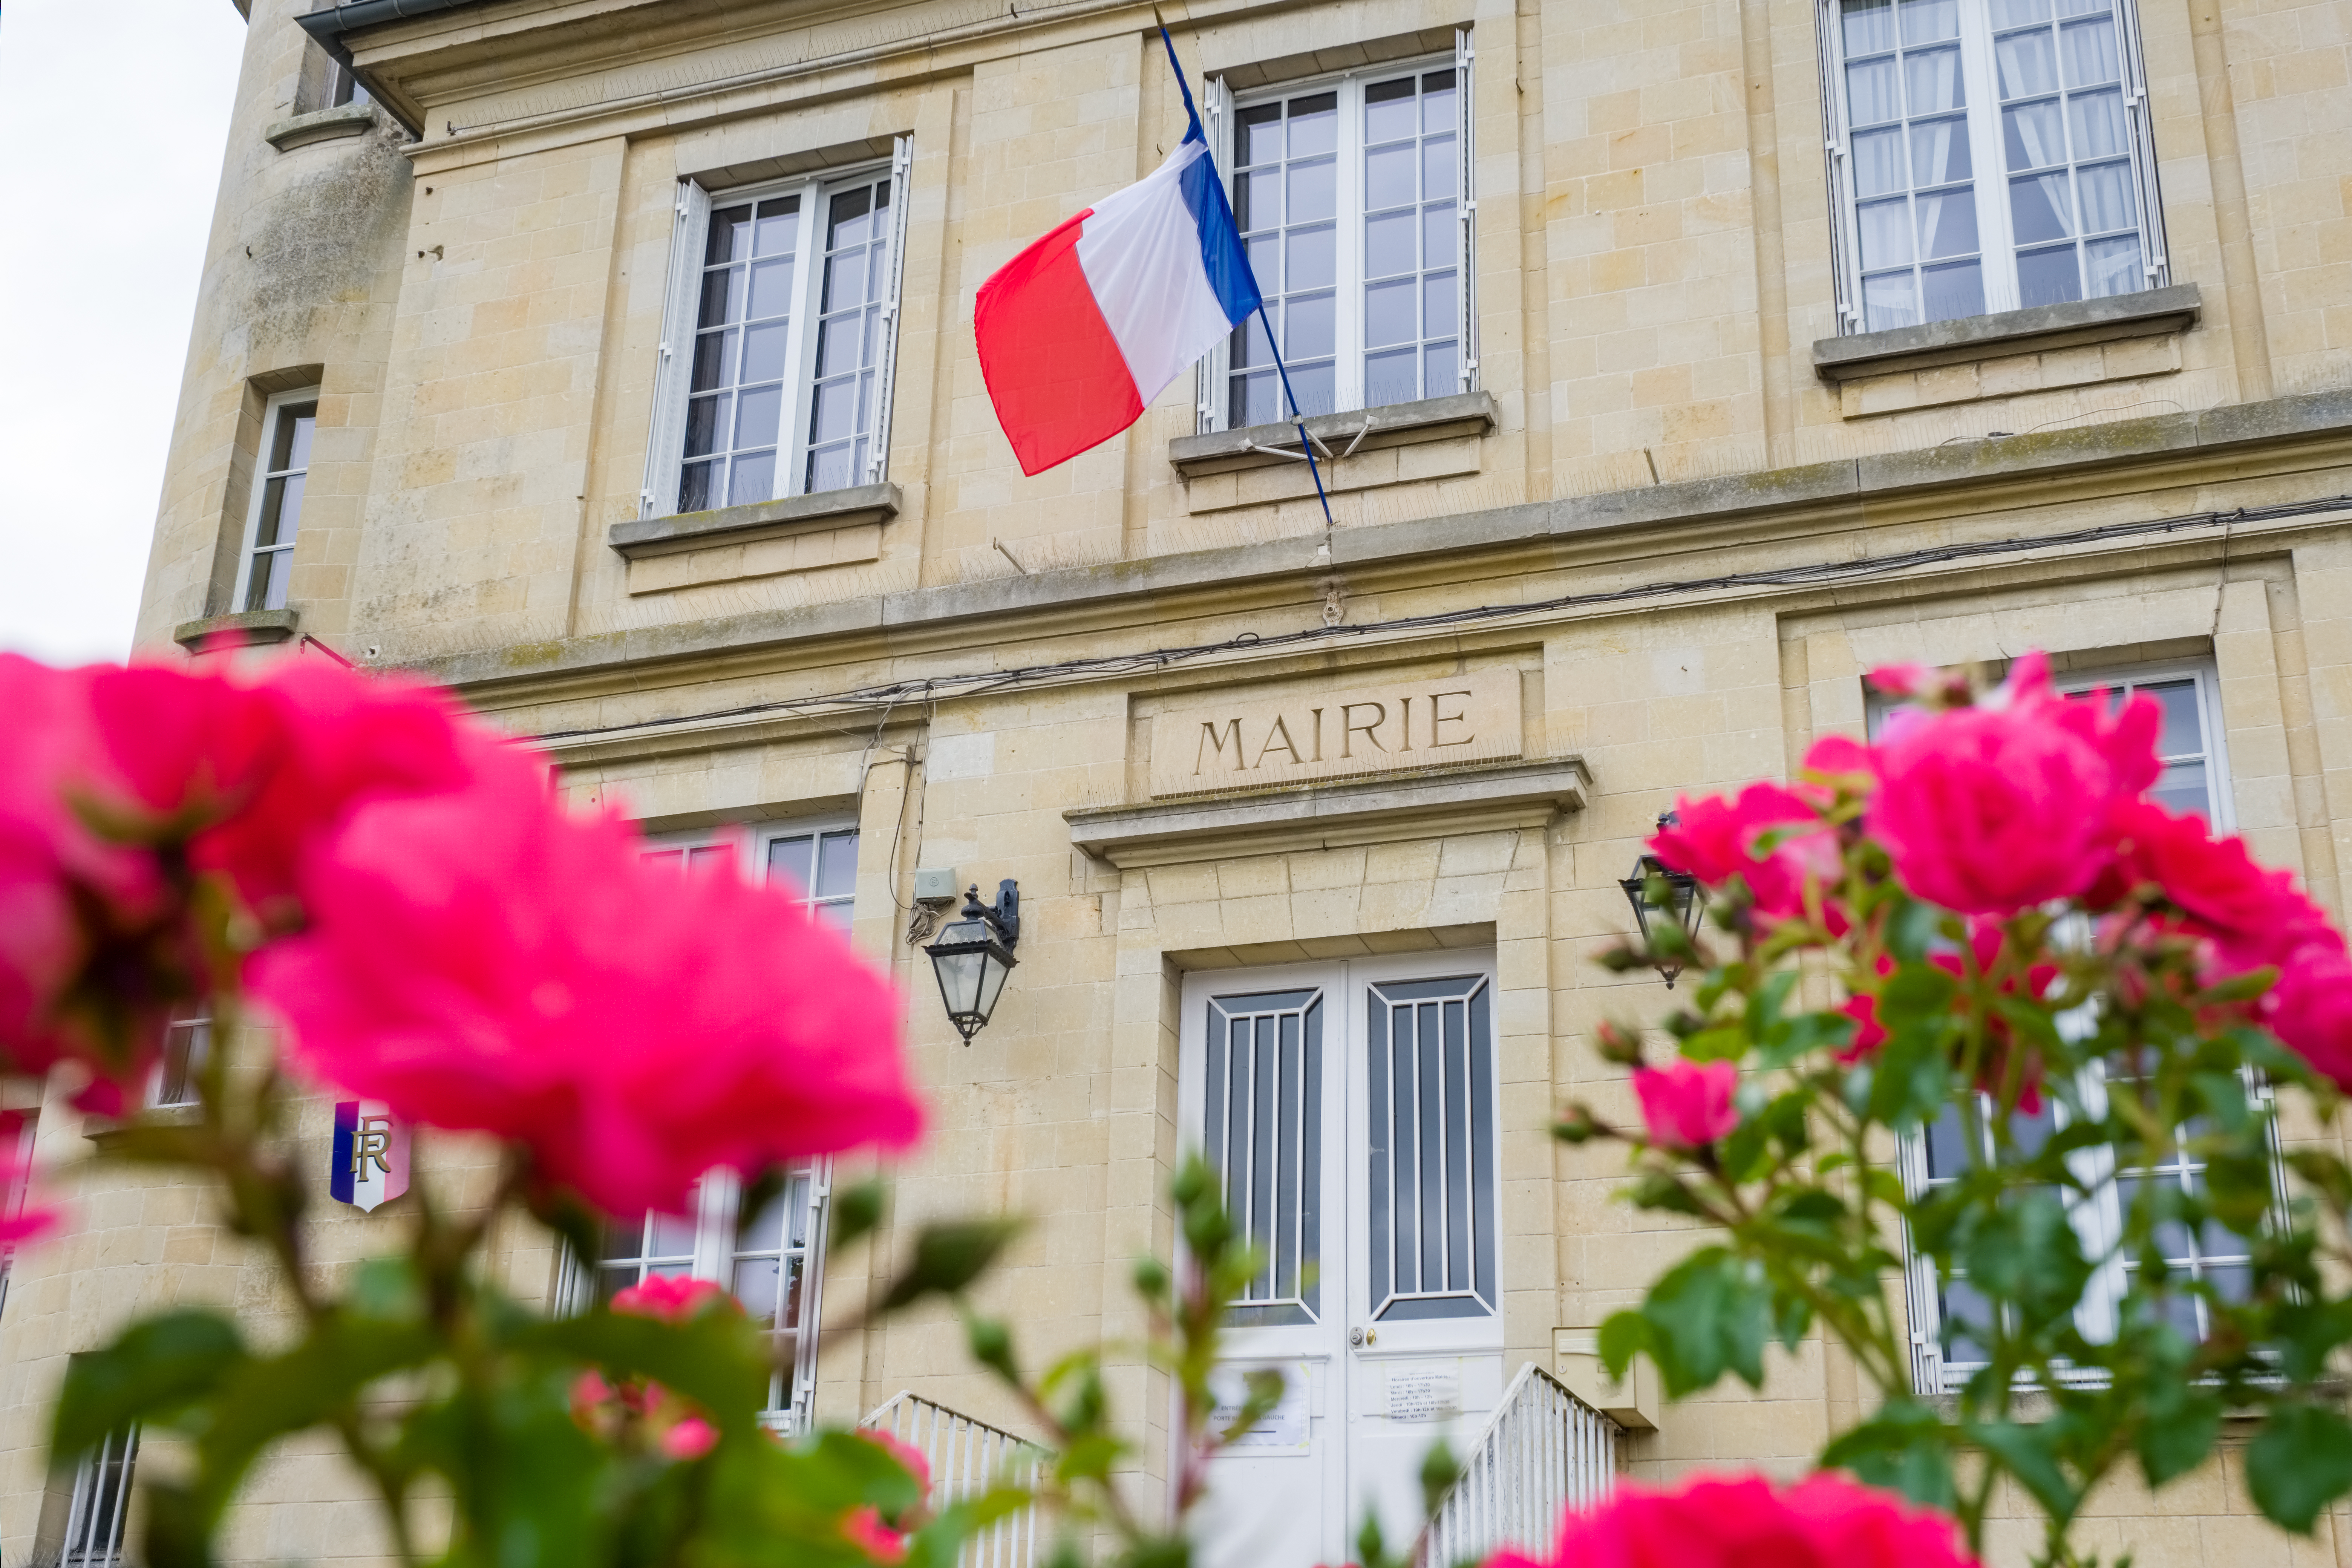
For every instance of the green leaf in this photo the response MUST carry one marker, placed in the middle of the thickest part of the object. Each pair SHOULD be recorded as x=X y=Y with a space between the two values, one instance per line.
x=1917 y=993
x=1724 y=1043
x=1623 y=1335
x=1707 y=1316
x=2026 y=1452
x=857 y=1210
x=947 y=1258
x=1904 y=1448
x=154 y=1369
x=2299 y=1463
x=2182 y=1423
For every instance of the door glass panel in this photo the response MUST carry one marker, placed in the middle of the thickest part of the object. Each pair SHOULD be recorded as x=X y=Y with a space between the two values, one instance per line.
x=1263 y=1134
x=1431 y=1159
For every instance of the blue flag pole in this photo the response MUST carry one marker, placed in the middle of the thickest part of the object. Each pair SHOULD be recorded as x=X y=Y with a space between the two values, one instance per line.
x=1194 y=132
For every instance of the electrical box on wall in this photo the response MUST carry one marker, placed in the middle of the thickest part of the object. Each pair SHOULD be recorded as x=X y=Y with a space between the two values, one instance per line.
x=1631 y=1402
x=937 y=886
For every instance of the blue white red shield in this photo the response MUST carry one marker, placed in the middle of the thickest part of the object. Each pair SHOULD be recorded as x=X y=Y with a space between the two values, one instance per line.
x=370 y=1160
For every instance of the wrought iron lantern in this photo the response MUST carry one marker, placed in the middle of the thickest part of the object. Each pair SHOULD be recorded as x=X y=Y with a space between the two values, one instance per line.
x=1655 y=891
x=974 y=953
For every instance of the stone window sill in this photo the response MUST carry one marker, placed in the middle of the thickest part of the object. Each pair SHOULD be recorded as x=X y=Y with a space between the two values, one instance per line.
x=644 y=537
x=247 y=628
x=109 y=1132
x=1338 y=436
x=326 y=125
x=2157 y=312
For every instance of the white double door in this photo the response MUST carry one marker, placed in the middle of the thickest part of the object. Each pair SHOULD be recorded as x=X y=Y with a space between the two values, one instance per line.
x=1351 y=1111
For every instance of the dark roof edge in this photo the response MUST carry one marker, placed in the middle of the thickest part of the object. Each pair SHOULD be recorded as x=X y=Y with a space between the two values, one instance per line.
x=330 y=23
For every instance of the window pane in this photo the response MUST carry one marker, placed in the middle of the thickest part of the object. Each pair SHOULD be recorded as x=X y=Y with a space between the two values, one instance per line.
x=671 y=1236
x=1314 y=124
x=845 y=280
x=837 y=866
x=722 y=297
x=1310 y=326
x=2098 y=123
x=2089 y=49
x=1878 y=160
x=1389 y=247
x=1257 y=201
x=1948 y=223
x=1387 y=314
x=694 y=487
x=1930 y=21
x=1312 y=190
x=757 y=1285
x=2184 y=787
x=2048 y=277
x=704 y=416
x=1885 y=233
x=282 y=505
x=1932 y=81
x=731 y=227
x=2024 y=65
x=1437 y=302
x=1258 y=135
x=772 y=288
x=1437 y=110
x=1965 y=1312
x=1891 y=300
x=1252 y=400
x=835 y=412
x=1437 y=167
x=1947 y=1144
x=1870 y=93
x=1391 y=111
x=296 y=425
x=1441 y=235
x=2015 y=13
x=1939 y=153
x=1313 y=384
x=1441 y=373
x=2038 y=210
x=1955 y=291
x=1311 y=255
x=2033 y=136
x=758 y=414
x=763 y=352
x=2107 y=194
x=1389 y=378
x=1869 y=26
x=779 y=226
x=713 y=354
x=837 y=915
x=789 y=858
x=753 y=478
x=2183 y=734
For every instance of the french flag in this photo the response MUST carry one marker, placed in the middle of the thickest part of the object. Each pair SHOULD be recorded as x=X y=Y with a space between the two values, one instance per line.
x=1080 y=331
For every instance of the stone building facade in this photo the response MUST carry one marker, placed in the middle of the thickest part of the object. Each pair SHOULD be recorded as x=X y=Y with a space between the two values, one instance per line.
x=1673 y=362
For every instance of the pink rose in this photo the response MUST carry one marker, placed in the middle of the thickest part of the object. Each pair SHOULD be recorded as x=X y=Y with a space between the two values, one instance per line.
x=92 y=960
x=260 y=769
x=2255 y=918
x=908 y=1457
x=1842 y=758
x=1826 y=1521
x=1717 y=838
x=481 y=961
x=2310 y=1010
x=671 y=1298
x=1687 y=1104
x=690 y=1439
x=1991 y=809
x=863 y=1528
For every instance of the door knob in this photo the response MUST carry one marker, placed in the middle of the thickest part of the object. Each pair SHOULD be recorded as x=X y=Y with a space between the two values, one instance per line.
x=1361 y=1337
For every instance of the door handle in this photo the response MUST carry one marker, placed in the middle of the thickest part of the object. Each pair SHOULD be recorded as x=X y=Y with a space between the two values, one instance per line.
x=1362 y=1337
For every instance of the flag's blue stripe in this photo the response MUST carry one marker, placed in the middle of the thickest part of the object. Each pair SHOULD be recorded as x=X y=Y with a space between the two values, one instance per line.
x=1220 y=244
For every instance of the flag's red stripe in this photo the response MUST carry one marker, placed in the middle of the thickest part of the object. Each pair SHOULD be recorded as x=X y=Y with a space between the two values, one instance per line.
x=1054 y=371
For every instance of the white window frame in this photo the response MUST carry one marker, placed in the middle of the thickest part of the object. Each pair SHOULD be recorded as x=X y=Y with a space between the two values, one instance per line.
x=1988 y=162
x=665 y=456
x=2096 y=1212
x=1220 y=107
x=187 y=1044
x=718 y=1198
x=97 y=1521
x=249 y=550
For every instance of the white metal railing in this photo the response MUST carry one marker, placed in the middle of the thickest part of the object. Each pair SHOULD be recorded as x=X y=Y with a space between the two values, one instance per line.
x=966 y=1457
x=1543 y=1451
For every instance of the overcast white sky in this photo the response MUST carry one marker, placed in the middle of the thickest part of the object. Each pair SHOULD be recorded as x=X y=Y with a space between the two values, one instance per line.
x=111 y=127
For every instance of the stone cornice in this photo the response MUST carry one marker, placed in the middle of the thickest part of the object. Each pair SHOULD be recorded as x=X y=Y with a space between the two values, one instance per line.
x=2003 y=474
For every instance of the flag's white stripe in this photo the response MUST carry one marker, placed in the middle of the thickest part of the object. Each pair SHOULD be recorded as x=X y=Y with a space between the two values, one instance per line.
x=1141 y=250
